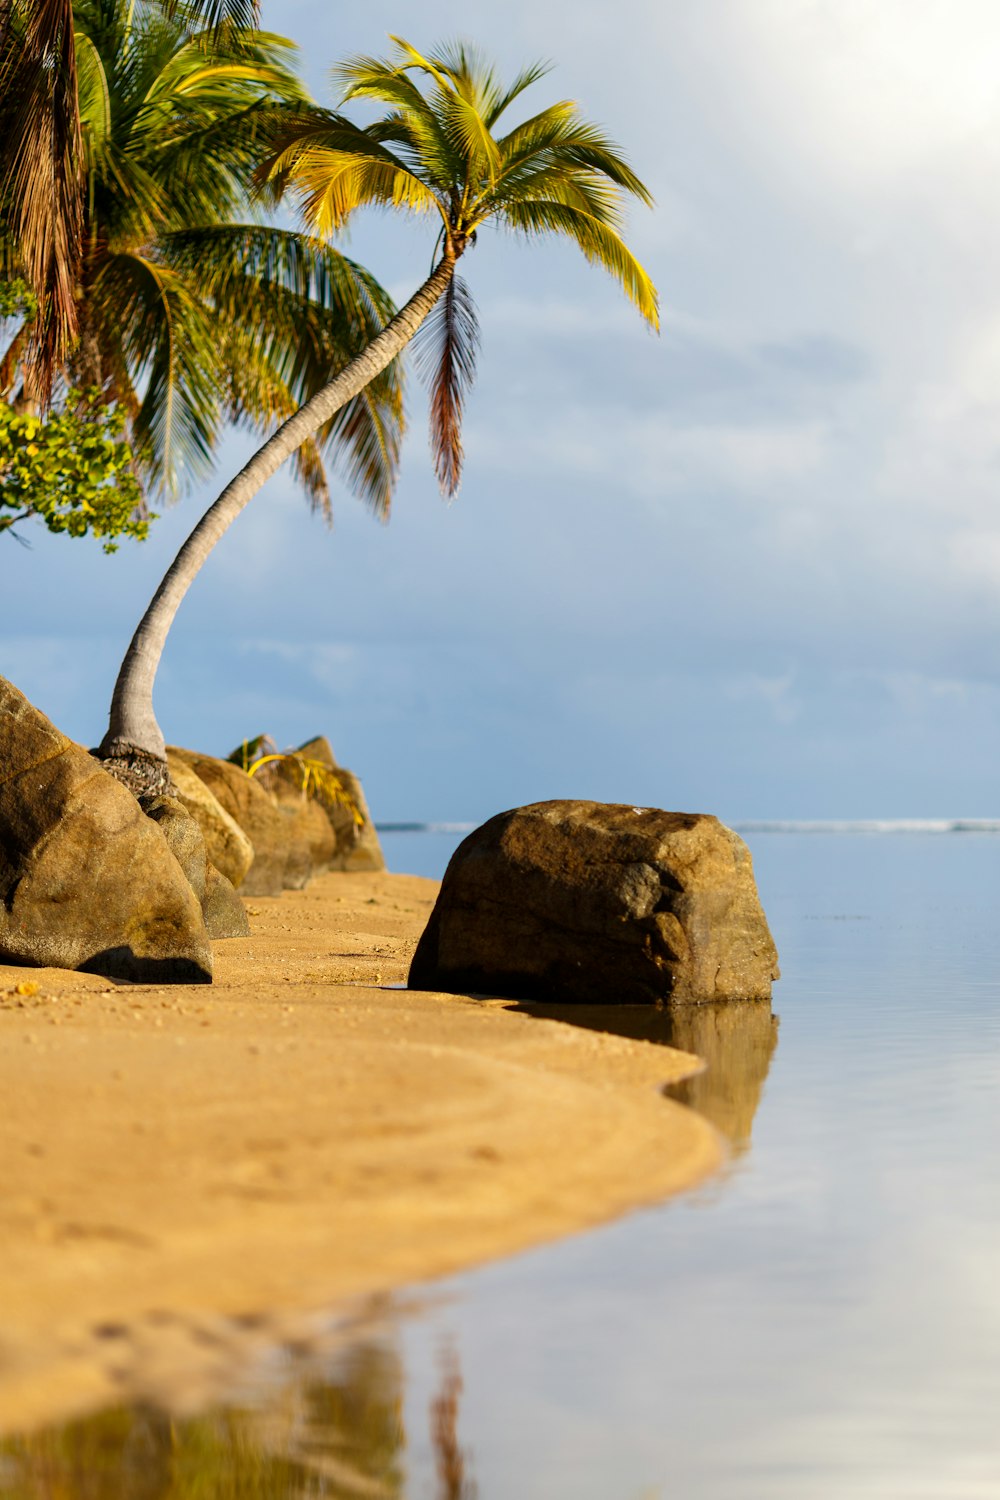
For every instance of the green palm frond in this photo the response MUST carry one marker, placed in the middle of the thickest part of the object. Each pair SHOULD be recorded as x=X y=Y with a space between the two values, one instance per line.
x=409 y=57
x=94 y=95
x=599 y=244
x=300 y=310
x=169 y=338
x=337 y=168
x=538 y=134
x=215 y=14
x=588 y=147
x=470 y=138
x=504 y=98
x=368 y=437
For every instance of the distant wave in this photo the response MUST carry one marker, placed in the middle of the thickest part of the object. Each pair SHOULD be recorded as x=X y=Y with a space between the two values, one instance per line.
x=870 y=825
x=425 y=827
x=779 y=825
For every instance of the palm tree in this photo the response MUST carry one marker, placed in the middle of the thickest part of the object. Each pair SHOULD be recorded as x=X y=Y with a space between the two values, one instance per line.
x=41 y=174
x=436 y=151
x=189 y=309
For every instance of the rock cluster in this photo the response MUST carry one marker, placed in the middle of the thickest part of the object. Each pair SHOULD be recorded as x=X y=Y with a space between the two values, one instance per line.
x=602 y=904
x=90 y=878
x=290 y=835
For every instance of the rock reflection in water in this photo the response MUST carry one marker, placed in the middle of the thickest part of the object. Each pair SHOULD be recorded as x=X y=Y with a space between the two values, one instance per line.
x=735 y=1038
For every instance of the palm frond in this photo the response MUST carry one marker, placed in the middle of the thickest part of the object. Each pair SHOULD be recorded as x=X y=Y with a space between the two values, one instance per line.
x=503 y=99
x=470 y=138
x=365 y=438
x=409 y=57
x=216 y=15
x=294 y=311
x=41 y=181
x=93 y=94
x=170 y=339
x=334 y=180
x=601 y=245
x=539 y=133
x=545 y=180
x=587 y=146
x=446 y=350
x=260 y=398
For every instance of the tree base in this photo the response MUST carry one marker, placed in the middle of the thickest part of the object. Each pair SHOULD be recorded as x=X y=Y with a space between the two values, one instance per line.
x=145 y=775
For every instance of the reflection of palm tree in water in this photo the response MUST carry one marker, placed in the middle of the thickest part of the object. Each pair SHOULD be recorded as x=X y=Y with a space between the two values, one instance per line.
x=734 y=1038
x=454 y=1483
x=340 y=1435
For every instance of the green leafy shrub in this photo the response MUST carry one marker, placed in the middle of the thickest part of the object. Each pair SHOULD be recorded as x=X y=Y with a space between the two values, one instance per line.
x=72 y=469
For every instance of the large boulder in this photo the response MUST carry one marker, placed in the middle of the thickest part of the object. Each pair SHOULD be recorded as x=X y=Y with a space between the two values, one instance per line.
x=86 y=880
x=224 y=913
x=599 y=903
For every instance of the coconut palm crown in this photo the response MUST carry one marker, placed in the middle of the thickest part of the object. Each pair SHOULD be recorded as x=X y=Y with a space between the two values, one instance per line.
x=438 y=150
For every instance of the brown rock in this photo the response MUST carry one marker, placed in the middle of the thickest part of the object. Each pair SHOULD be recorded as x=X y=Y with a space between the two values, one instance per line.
x=224 y=912
x=183 y=836
x=228 y=847
x=599 y=903
x=281 y=841
x=86 y=881
x=357 y=846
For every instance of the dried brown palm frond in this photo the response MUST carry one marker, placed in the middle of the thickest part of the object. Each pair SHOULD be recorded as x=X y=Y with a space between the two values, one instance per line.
x=40 y=184
x=446 y=348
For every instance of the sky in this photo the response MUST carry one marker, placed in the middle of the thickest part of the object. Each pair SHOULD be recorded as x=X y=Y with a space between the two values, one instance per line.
x=747 y=567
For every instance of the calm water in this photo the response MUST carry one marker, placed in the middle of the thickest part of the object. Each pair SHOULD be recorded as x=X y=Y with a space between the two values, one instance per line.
x=820 y=1321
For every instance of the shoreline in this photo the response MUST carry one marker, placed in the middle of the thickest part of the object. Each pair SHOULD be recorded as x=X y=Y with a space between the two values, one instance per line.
x=191 y=1169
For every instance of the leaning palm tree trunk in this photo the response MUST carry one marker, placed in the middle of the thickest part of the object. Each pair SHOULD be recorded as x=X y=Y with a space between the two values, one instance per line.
x=134 y=748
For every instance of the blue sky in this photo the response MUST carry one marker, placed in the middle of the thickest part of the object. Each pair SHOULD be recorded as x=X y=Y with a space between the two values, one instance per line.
x=748 y=567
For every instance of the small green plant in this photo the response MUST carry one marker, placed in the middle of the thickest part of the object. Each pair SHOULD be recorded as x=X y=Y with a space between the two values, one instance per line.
x=314 y=778
x=17 y=300
x=72 y=469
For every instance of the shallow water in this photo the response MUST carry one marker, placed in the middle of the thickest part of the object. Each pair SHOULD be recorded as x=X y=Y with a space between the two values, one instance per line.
x=821 y=1320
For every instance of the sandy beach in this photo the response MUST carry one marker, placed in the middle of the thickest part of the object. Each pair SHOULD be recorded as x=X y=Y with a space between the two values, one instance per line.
x=188 y=1170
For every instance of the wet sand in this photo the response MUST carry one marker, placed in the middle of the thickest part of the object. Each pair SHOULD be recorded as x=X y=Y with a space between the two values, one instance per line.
x=191 y=1173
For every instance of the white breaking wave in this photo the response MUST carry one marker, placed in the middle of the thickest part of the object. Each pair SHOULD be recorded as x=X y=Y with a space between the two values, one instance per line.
x=869 y=825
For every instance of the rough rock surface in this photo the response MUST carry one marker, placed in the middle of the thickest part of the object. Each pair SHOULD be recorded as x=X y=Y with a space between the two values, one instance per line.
x=224 y=912
x=227 y=846
x=281 y=859
x=86 y=881
x=599 y=903
x=291 y=836
x=357 y=848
